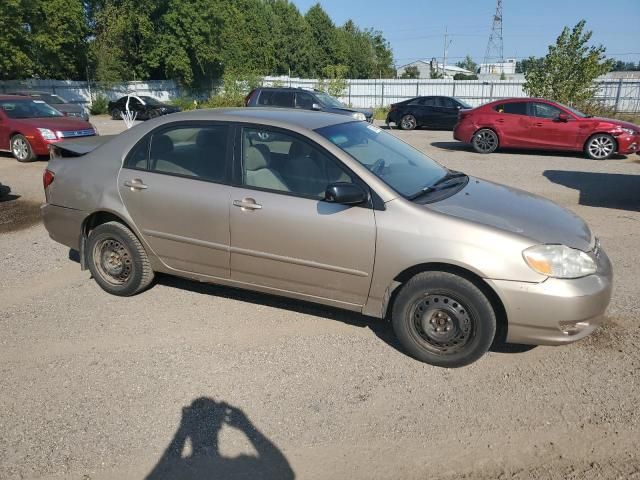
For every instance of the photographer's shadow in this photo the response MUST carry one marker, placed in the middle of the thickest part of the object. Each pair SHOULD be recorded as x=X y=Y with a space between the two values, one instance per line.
x=198 y=434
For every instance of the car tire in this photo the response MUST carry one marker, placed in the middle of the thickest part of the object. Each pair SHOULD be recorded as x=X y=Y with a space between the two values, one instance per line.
x=153 y=114
x=443 y=319
x=408 y=122
x=485 y=140
x=117 y=260
x=116 y=114
x=21 y=149
x=600 y=146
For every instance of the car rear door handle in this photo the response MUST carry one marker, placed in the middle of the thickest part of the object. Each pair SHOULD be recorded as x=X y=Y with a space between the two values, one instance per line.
x=135 y=184
x=538 y=124
x=247 y=204
x=500 y=120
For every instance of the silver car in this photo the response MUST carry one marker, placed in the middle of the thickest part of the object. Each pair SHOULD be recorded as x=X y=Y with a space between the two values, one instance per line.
x=322 y=208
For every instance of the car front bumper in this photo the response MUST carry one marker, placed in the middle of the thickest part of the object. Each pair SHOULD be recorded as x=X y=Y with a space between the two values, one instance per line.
x=628 y=144
x=556 y=311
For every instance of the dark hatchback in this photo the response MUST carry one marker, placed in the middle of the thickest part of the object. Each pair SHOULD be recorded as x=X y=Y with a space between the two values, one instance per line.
x=143 y=106
x=305 y=100
x=431 y=112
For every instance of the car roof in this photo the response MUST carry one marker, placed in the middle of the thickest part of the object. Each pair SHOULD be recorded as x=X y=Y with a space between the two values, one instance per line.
x=278 y=117
x=15 y=97
x=30 y=92
x=520 y=99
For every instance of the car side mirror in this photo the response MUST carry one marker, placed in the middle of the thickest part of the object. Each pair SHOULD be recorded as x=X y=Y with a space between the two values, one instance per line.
x=563 y=117
x=316 y=106
x=345 y=193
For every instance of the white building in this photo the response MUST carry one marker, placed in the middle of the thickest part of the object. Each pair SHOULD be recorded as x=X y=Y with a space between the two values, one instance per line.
x=425 y=67
x=508 y=67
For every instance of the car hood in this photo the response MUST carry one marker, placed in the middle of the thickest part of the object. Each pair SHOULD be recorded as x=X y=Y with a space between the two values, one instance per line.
x=56 y=123
x=614 y=121
x=69 y=108
x=367 y=111
x=516 y=211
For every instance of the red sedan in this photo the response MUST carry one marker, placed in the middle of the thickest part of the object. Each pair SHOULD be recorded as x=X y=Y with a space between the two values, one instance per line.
x=28 y=127
x=541 y=124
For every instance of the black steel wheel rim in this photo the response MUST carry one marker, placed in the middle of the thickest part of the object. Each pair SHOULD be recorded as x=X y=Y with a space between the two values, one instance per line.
x=113 y=261
x=442 y=324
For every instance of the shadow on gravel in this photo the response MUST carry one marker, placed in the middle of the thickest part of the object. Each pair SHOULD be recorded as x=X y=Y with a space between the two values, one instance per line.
x=382 y=329
x=194 y=453
x=16 y=214
x=608 y=190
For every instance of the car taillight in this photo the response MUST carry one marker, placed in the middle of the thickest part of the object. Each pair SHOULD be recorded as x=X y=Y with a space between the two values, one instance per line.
x=247 y=99
x=47 y=178
x=393 y=107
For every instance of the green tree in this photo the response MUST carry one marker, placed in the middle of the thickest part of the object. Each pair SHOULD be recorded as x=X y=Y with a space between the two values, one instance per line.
x=293 y=41
x=567 y=73
x=468 y=64
x=323 y=32
x=411 y=72
x=15 y=59
x=524 y=65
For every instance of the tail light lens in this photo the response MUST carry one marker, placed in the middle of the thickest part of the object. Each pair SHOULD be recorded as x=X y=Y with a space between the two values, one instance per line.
x=393 y=107
x=47 y=178
x=247 y=99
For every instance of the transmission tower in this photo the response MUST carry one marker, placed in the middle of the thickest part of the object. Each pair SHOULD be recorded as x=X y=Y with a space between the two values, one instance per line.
x=495 y=46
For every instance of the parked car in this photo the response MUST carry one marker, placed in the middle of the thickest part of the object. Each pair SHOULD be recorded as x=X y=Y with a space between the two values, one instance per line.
x=28 y=126
x=309 y=211
x=144 y=107
x=305 y=100
x=69 y=109
x=430 y=112
x=537 y=123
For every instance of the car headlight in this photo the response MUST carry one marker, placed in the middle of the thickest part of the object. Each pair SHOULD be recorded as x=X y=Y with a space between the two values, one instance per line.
x=358 y=116
x=628 y=131
x=47 y=134
x=559 y=261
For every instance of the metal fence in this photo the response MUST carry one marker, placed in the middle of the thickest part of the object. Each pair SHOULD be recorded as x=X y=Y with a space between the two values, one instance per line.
x=622 y=95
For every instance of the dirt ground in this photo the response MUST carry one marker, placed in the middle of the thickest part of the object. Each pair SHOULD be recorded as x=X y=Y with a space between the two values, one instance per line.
x=189 y=380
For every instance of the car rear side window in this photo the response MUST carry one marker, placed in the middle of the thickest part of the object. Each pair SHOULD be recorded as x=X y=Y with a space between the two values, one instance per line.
x=513 y=108
x=265 y=97
x=429 y=102
x=187 y=150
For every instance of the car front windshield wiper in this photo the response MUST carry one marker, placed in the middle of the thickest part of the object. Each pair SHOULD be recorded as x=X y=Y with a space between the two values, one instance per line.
x=445 y=182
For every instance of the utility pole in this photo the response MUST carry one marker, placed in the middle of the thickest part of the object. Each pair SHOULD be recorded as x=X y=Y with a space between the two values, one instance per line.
x=495 y=46
x=447 y=42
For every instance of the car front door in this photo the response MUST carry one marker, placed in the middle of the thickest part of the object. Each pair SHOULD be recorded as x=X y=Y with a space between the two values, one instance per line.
x=550 y=130
x=447 y=112
x=426 y=111
x=513 y=124
x=174 y=184
x=284 y=235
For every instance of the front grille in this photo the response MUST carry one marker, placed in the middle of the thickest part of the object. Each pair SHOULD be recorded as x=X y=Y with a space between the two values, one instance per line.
x=76 y=133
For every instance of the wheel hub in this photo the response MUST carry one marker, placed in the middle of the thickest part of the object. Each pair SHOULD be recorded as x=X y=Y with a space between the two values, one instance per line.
x=442 y=323
x=114 y=261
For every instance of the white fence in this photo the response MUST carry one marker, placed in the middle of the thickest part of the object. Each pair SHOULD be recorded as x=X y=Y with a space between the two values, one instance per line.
x=623 y=95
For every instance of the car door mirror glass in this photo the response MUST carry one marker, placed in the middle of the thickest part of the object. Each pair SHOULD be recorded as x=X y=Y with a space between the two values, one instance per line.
x=345 y=194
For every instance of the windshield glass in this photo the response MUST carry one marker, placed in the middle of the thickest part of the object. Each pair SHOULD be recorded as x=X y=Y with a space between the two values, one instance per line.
x=49 y=98
x=151 y=101
x=577 y=113
x=402 y=167
x=329 y=101
x=28 y=109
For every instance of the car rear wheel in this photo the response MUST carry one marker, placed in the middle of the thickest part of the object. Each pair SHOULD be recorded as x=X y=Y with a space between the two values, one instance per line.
x=117 y=260
x=443 y=319
x=485 y=141
x=408 y=122
x=116 y=114
x=600 y=147
x=21 y=149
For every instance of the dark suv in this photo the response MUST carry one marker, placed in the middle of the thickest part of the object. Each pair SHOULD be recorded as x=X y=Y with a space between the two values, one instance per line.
x=304 y=99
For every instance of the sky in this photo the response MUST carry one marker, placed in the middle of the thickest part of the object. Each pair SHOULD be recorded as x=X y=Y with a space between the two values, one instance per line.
x=416 y=28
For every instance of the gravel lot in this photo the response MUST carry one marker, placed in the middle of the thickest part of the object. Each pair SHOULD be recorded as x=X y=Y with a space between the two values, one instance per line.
x=93 y=386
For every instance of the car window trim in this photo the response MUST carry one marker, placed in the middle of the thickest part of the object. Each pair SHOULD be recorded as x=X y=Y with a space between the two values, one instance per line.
x=186 y=124
x=527 y=108
x=374 y=200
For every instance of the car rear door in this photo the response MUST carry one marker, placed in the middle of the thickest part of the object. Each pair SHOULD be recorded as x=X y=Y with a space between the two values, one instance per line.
x=446 y=112
x=4 y=131
x=426 y=111
x=549 y=131
x=513 y=124
x=174 y=184
x=284 y=236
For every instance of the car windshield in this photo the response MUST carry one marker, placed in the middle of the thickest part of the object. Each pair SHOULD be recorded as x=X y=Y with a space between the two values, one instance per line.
x=28 y=109
x=577 y=113
x=329 y=101
x=151 y=101
x=51 y=99
x=405 y=169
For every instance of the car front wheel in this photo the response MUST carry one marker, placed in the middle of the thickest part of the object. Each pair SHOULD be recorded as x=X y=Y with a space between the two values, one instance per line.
x=408 y=122
x=21 y=149
x=600 y=146
x=485 y=141
x=443 y=319
x=117 y=260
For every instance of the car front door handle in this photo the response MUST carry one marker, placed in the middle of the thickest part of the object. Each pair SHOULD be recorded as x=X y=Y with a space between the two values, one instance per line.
x=247 y=204
x=135 y=184
x=539 y=124
x=500 y=120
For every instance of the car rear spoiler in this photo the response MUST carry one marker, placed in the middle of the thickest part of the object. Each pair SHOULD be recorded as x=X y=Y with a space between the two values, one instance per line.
x=77 y=147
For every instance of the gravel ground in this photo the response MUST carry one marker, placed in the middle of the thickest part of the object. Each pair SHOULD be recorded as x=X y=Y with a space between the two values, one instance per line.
x=252 y=386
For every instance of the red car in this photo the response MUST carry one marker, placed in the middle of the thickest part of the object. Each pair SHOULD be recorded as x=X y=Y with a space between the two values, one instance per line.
x=28 y=126
x=541 y=124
